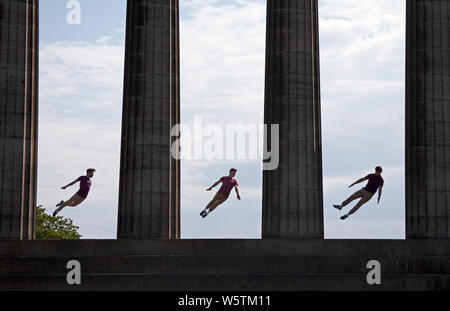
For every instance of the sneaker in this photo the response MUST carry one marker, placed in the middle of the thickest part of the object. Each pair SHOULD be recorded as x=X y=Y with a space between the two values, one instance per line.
x=55 y=213
x=62 y=201
x=344 y=217
x=202 y=213
x=339 y=207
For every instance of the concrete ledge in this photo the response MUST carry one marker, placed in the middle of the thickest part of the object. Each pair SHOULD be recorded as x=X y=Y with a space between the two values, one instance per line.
x=224 y=246
x=225 y=264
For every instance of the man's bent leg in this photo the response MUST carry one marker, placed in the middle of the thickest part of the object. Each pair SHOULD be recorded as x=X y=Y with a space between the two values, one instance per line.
x=77 y=200
x=73 y=201
x=354 y=196
x=211 y=203
x=221 y=199
x=366 y=197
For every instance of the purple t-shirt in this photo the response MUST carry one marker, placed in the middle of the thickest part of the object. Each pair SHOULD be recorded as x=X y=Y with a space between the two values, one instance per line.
x=374 y=182
x=85 y=185
x=227 y=184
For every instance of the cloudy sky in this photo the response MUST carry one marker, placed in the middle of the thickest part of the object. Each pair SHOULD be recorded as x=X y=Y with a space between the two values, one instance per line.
x=222 y=81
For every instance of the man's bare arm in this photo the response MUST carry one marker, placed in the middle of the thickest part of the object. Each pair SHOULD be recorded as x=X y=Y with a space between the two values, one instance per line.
x=380 y=188
x=358 y=181
x=72 y=183
x=215 y=184
x=237 y=192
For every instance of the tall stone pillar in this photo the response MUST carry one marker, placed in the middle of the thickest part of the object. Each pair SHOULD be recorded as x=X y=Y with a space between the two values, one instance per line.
x=428 y=119
x=18 y=117
x=149 y=191
x=292 y=193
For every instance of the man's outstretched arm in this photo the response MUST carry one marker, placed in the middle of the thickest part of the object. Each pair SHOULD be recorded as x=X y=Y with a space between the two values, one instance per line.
x=237 y=192
x=215 y=184
x=380 y=188
x=73 y=182
x=358 y=181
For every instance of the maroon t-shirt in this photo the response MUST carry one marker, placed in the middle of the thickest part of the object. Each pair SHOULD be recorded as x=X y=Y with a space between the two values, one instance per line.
x=85 y=185
x=227 y=184
x=374 y=182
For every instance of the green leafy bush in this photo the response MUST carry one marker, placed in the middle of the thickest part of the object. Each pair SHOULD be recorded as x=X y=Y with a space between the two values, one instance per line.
x=54 y=228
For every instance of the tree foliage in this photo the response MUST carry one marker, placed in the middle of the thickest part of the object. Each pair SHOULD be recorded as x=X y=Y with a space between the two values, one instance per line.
x=54 y=228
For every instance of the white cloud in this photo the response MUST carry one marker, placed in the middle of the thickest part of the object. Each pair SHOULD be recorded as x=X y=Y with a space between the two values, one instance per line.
x=81 y=79
x=352 y=228
x=222 y=52
x=103 y=39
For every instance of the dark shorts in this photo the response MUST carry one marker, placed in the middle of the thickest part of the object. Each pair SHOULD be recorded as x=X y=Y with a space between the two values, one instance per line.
x=220 y=197
x=84 y=196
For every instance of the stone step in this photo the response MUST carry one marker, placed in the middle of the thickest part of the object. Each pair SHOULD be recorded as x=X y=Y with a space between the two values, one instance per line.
x=255 y=247
x=188 y=282
x=178 y=264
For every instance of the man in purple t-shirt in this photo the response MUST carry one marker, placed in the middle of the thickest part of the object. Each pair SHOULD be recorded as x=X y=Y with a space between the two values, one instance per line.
x=228 y=183
x=375 y=183
x=81 y=195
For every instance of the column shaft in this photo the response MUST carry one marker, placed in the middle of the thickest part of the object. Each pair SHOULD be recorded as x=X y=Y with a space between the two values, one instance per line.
x=18 y=117
x=149 y=191
x=428 y=119
x=292 y=193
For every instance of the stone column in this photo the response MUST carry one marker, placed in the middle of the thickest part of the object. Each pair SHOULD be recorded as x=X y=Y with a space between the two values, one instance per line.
x=149 y=191
x=18 y=117
x=292 y=193
x=428 y=119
